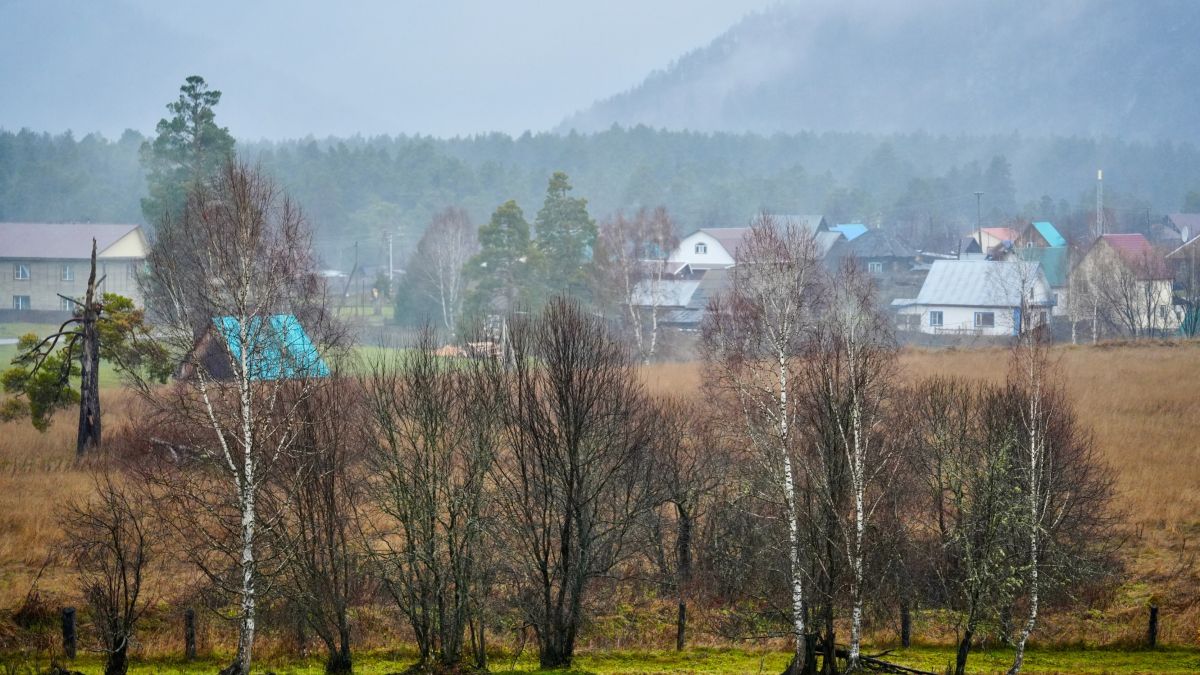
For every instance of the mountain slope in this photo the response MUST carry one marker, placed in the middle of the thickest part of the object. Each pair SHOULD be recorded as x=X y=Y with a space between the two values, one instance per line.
x=1074 y=67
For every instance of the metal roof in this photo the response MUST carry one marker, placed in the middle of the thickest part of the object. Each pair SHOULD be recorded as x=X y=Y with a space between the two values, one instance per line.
x=59 y=241
x=1050 y=234
x=1054 y=262
x=669 y=292
x=983 y=283
x=851 y=231
x=279 y=348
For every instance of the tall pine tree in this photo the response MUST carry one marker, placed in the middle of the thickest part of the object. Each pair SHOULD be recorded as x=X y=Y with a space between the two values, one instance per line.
x=566 y=236
x=189 y=148
x=500 y=272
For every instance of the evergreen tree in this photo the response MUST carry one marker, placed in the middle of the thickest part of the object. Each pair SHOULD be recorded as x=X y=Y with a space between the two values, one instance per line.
x=500 y=272
x=566 y=236
x=189 y=147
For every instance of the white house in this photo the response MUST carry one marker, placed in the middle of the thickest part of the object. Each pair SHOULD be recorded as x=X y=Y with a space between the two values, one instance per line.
x=977 y=297
x=716 y=247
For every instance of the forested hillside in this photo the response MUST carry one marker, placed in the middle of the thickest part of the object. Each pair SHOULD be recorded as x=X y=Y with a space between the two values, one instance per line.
x=357 y=189
x=1094 y=67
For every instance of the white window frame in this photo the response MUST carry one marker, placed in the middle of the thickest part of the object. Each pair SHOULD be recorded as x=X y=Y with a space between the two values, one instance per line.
x=875 y=268
x=701 y=248
x=22 y=303
x=66 y=305
x=21 y=272
x=980 y=324
x=941 y=318
x=67 y=273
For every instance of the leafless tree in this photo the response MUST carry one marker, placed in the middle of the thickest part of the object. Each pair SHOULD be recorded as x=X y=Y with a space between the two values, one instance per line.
x=324 y=573
x=443 y=252
x=573 y=477
x=112 y=541
x=850 y=372
x=632 y=271
x=1134 y=294
x=753 y=338
x=230 y=280
x=1066 y=490
x=433 y=434
x=961 y=443
x=693 y=461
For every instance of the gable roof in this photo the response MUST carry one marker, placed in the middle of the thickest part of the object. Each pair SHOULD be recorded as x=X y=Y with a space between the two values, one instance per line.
x=814 y=222
x=279 y=347
x=1050 y=234
x=1001 y=233
x=1186 y=221
x=59 y=241
x=730 y=238
x=1054 y=261
x=851 y=231
x=982 y=283
x=1138 y=254
x=872 y=244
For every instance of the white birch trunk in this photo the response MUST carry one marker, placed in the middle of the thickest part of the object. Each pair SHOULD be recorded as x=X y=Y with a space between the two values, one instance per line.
x=789 y=487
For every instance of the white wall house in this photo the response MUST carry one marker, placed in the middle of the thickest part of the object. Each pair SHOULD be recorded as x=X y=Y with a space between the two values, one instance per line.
x=977 y=297
x=710 y=248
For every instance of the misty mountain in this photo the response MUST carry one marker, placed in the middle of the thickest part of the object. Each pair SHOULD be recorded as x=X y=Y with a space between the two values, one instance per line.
x=1075 y=67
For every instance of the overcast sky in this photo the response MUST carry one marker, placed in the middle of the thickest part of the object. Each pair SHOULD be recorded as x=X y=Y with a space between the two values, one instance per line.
x=294 y=68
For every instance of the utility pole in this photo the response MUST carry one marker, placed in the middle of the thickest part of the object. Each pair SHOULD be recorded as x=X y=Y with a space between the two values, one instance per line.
x=979 y=220
x=1099 y=202
x=391 y=261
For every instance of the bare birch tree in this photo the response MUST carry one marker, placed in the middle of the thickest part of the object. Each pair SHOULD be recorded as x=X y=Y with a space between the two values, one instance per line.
x=633 y=272
x=230 y=281
x=753 y=336
x=442 y=254
x=851 y=368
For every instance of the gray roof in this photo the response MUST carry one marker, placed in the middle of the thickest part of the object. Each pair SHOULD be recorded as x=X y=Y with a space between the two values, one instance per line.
x=872 y=244
x=58 y=241
x=983 y=283
x=811 y=221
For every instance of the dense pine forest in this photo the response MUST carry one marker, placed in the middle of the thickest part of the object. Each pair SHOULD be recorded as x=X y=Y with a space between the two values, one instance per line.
x=359 y=189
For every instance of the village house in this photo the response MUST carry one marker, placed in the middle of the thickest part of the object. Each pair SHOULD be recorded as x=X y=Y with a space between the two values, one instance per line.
x=1133 y=282
x=977 y=297
x=1040 y=234
x=992 y=238
x=716 y=247
x=42 y=261
x=889 y=261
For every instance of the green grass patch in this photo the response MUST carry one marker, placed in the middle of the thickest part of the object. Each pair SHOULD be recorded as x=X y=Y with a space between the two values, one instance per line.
x=703 y=660
x=17 y=329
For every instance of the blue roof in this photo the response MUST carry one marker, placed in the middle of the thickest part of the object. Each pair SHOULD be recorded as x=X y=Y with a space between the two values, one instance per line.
x=850 y=230
x=280 y=349
x=1050 y=234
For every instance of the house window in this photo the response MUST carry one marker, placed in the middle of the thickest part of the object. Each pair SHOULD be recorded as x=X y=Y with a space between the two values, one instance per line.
x=935 y=318
x=68 y=273
x=1042 y=318
x=65 y=305
x=20 y=271
x=875 y=268
x=701 y=247
x=20 y=302
x=985 y=319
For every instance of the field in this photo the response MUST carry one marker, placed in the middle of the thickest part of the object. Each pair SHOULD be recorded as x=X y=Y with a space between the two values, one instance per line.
x=1140 y=401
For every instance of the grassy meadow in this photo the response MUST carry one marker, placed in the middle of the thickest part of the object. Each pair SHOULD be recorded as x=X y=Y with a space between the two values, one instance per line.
x=1140 y=402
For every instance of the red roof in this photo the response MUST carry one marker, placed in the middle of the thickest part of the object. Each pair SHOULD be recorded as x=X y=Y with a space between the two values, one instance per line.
x=1139 y=255
x=1002 y=233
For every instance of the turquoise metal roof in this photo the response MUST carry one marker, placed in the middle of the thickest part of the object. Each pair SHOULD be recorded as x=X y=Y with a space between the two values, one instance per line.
x=1054 y=262
x=279 y=349
x=850 y=230
x=1050 y=234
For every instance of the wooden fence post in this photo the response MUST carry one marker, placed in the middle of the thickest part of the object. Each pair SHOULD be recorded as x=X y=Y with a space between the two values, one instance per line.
x=1152 y=631
x=68 y=631
x=189 y=634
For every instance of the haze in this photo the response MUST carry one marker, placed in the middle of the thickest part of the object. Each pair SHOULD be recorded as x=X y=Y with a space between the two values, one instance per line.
x=290 y=69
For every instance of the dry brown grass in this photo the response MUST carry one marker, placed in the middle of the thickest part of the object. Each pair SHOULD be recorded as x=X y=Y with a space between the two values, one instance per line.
x=1140 y=401
x=1142 y=404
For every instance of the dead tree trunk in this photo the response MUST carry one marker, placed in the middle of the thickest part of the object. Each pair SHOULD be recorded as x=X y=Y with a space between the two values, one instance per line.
x=89 y=368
